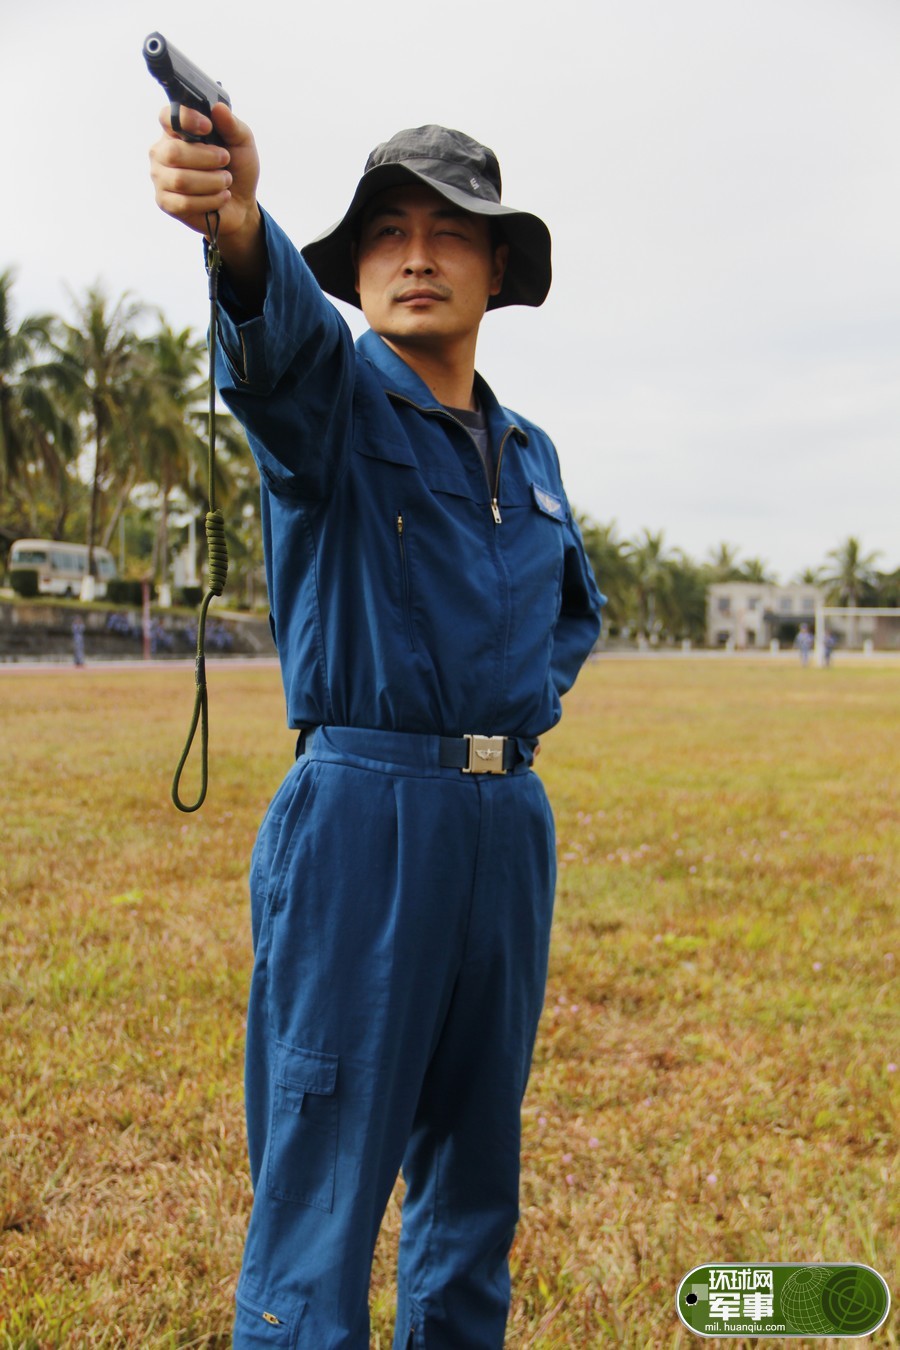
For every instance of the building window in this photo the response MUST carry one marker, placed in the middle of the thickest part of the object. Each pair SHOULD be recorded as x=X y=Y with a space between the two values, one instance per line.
x=808 y=604
x=785 y=604
x=724 y=604
x=753 y=602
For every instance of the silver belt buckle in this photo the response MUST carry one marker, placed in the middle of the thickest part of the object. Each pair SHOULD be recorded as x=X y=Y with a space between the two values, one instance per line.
x=485 y=754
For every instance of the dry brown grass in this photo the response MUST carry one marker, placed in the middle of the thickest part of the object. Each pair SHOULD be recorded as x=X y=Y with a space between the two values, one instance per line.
x=714 y=1078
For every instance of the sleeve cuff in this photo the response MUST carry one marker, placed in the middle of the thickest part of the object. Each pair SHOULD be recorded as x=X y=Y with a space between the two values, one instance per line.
x=239 y=330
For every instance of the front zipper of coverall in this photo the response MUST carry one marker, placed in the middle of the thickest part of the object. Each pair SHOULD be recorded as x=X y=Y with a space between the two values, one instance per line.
x=404 y=580
x=495 y=500
x=494 y=489
x=493 y=492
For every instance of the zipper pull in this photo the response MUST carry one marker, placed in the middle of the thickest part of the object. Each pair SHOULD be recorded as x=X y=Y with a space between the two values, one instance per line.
x=400 y=524
x=495 y=512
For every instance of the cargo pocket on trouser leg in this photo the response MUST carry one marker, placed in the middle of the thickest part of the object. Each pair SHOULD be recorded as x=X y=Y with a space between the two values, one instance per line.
x=258 y=1325
x=303 y=1128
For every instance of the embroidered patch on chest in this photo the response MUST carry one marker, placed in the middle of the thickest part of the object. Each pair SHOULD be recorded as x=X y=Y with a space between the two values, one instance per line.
x=548 y=502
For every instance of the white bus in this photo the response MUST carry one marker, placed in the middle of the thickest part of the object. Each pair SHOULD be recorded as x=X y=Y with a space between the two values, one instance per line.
x=61 y=567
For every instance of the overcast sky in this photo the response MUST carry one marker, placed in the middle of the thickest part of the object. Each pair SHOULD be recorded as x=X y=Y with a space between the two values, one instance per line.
x=719 y=357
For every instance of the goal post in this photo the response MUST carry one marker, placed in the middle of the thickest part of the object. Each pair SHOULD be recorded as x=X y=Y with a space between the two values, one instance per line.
x=825 y=612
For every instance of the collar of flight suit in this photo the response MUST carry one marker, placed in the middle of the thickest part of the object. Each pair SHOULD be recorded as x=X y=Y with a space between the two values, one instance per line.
x=401 y=380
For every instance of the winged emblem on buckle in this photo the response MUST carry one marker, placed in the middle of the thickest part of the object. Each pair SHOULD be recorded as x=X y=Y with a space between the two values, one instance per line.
x=485 y=754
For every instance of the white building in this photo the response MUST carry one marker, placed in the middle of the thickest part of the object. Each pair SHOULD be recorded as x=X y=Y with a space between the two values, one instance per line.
x=752 y=614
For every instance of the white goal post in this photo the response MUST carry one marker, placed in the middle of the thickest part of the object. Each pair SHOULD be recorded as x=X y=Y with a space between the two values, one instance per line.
x=824 y=612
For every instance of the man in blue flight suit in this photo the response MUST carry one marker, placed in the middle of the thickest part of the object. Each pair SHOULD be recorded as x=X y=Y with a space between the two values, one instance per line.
x=431 y=601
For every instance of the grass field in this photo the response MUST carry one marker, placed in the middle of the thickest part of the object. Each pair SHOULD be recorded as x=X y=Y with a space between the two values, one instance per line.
x=715 y=1076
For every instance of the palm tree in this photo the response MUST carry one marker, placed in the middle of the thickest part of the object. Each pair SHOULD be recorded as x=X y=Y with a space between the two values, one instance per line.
x=606 y=553
x=239 y=499
x=722 y=563
x=652 y=578
x=852 y=571
x=887 y=588
x=35 y=435
x=755 y=569
x=684 y=597
x=171 y=444
x=174 y=431
x=99 y=368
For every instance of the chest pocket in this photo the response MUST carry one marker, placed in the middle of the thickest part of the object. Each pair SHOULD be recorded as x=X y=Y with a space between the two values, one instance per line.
x=533 y=536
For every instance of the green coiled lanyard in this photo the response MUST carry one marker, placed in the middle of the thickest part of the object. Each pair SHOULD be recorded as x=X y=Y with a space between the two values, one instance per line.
x=217 y=551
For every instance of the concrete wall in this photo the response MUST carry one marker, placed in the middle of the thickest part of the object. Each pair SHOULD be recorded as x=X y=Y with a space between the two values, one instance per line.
x=42 y=630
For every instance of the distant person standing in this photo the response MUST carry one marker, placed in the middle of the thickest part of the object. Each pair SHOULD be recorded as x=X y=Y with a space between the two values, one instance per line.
x=78 y=640
x=828 y=646
x=804 y=643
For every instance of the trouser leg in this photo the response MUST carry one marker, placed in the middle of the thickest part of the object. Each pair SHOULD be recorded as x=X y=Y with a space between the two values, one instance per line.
x=462 y=1162
x=367 y=885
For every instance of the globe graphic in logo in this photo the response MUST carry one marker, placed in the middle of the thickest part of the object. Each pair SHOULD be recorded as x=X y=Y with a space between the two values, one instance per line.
x=849 y=1301
x=801 y=1301
x=854 y=1299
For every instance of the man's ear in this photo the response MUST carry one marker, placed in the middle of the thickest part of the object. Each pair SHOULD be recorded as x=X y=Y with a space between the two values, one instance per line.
x=501 y=258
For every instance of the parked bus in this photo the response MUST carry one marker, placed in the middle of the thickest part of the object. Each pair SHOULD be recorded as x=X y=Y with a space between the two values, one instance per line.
x=61 y=567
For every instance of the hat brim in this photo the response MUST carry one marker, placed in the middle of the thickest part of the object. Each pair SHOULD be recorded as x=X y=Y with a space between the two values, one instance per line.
x=528 y=272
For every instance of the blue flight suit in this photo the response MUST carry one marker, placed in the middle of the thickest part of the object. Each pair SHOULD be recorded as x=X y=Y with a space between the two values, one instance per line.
x=401 y=908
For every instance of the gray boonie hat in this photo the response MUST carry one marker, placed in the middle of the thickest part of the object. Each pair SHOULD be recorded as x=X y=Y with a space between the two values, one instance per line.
x=466 y=174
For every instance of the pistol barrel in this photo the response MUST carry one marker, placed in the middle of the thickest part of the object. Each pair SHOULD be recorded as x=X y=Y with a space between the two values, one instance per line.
x=185 y=83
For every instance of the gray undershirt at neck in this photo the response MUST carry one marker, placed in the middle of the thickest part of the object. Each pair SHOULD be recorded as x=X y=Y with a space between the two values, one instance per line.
x=476 y=425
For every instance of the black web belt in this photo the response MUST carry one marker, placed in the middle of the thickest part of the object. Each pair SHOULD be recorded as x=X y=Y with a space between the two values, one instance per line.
x=469 y=754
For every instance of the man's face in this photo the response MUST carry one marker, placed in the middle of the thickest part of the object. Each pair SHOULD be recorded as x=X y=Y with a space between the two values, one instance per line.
x=425 y=269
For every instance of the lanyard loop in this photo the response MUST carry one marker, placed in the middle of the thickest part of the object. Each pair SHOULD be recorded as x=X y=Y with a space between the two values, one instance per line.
x=217 y=552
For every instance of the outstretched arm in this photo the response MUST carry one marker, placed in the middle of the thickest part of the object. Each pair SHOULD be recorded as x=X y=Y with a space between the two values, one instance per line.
x=286 y=365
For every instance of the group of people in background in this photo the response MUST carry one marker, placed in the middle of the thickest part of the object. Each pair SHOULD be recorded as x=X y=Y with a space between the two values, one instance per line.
x=805 y=641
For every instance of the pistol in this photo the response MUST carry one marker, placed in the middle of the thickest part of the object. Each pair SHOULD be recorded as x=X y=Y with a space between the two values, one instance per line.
x=185 y=84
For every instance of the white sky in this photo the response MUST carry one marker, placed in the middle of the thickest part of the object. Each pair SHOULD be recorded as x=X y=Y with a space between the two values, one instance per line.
x=719 y=357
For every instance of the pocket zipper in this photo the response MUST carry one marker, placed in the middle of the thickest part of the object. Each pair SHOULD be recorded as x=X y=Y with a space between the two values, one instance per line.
x=404 y=577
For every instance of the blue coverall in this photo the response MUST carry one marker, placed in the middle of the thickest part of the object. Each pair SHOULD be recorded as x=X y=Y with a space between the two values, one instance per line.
x=401 y=908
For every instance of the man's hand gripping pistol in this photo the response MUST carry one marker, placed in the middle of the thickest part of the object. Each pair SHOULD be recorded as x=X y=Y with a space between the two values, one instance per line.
x=185 y=84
